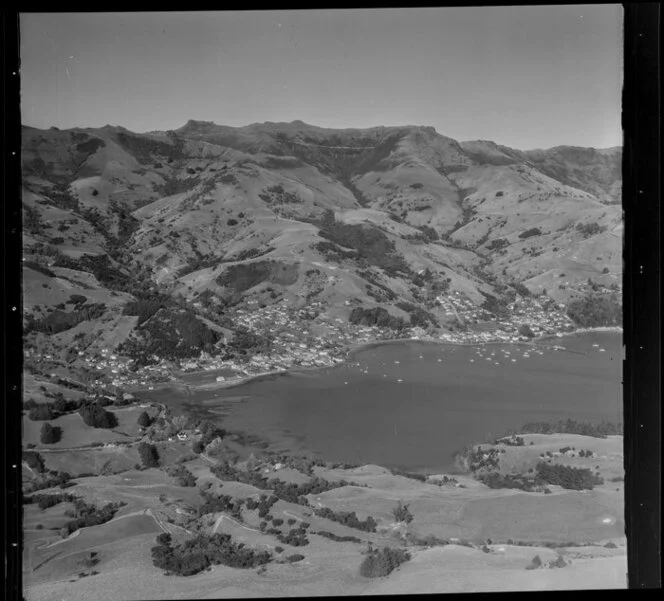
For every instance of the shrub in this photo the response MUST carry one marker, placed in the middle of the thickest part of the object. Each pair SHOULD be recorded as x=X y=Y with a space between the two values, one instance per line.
x=401 y=514
x=182 y=475
x=50 y=434
x=337 y=538
x=295 y=557
x=232 y=222
x=558 y=563
x=535 y=231
x=590 y=229
x=378 y=563
x=535 y=563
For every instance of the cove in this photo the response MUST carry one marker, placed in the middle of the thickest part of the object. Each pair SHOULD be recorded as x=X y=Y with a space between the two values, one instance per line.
x=412 y=405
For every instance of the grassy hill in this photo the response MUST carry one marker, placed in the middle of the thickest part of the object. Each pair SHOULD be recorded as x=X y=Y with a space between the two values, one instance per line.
x=115 y=215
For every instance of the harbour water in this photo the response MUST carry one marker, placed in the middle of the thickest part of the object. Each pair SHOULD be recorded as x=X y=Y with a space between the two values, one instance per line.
x=412 y=405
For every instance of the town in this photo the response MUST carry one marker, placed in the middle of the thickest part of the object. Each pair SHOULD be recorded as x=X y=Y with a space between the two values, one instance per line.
x=309 y=338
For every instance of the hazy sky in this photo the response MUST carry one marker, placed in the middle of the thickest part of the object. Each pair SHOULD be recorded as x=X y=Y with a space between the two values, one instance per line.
x=526 y=77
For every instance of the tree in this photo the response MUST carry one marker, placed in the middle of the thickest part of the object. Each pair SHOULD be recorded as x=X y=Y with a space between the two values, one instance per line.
x=149 y=454
x=95 y=415
x=50 y=434
x=144 y=419
x=401 y=513
x=42 y=412
x=382 y=562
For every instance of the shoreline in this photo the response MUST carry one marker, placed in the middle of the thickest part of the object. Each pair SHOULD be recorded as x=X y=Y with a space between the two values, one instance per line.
x=353 y=350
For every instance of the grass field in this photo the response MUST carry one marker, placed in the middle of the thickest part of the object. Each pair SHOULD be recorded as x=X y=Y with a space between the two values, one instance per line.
x=470 y=512
x=76 y=433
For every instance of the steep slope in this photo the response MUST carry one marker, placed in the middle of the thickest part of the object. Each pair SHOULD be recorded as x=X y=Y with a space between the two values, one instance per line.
x=387 y=218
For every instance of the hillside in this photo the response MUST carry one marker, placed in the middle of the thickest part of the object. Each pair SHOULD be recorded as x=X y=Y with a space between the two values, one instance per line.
x=388 y=227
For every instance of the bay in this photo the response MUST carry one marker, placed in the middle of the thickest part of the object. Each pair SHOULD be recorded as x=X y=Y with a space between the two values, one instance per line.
x=411 y=405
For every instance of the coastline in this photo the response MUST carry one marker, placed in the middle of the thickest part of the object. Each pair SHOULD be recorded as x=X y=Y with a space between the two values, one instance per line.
x=353 y=350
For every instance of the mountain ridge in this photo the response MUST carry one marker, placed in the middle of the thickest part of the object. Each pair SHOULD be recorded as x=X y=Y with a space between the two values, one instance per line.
x=347 y=218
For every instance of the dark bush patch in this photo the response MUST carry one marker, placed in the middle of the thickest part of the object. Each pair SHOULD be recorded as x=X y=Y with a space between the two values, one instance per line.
x=378 y=563
x=535 y=231
x=50 y=434
x=197 y=554
x=337 y=538
x=95 y=415
x=149 y=454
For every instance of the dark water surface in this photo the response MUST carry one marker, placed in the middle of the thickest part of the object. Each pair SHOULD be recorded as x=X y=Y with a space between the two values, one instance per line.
x=448 y=396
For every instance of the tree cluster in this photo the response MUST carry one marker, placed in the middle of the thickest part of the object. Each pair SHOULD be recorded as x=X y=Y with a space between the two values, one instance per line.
x=534 y=231
x=222 y=503
x=590 y=229
x=347 y=518
x=337 y=538
x=44 y=501
x=197 y=554
x=402 y=514
x=95 y=415
x=243 y=276
x=376 y=316
x=287 y=491
x=86 y=515
x=145 y=308
x=517 y=481
x=418 y=316
x=568 y=477
x=58 y=321
x=50 y=434
x=42 y=412
x=497 y=244
x=183 y=477
x=34 y=460
x=378 y=563
x=371 y=244
x=596 y=310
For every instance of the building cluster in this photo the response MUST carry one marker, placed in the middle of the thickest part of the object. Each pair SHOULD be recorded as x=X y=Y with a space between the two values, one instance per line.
x=539 y=314
x=312 y=338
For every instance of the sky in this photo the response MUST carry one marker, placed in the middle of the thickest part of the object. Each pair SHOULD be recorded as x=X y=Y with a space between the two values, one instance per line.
x=525 y=77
